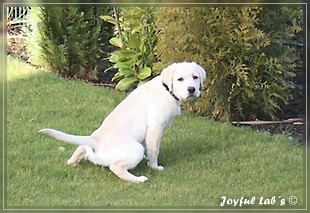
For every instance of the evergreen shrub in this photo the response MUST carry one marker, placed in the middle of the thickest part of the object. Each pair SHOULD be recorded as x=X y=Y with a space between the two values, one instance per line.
x=70 y=40
x=243 y=54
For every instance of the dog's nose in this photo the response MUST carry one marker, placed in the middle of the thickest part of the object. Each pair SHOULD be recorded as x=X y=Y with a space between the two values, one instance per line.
x=191 y=90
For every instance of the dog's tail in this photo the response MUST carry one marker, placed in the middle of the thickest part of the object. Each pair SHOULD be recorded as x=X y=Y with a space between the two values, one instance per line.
x=73 y=139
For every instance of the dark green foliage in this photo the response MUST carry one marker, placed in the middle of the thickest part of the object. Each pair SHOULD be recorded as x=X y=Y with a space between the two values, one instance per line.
x=246 y=51
x=72 y=39
x=245 y=60
x=135 y=37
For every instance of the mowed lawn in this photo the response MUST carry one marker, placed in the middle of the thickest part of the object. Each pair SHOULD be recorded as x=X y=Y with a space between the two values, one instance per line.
x=204 y=160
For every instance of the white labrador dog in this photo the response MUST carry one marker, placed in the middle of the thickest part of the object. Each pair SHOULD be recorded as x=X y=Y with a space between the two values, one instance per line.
x=139 y=118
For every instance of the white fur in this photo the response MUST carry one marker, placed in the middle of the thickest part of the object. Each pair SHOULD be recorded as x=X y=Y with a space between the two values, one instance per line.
x=139 y=118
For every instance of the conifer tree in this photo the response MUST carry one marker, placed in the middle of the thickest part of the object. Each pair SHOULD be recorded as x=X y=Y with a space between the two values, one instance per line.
x=73 y=39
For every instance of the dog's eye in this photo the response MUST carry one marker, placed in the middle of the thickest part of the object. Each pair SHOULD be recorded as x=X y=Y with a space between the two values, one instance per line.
x=195 y=77
x=180 y=79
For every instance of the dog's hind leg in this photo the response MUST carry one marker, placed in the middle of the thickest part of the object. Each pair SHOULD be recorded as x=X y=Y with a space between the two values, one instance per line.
x=121 y=171
x=128 y=156
x=78 y=155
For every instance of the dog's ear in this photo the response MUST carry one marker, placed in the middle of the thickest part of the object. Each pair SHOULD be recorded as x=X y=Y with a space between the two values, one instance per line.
x=167 y=75
x=202 y=74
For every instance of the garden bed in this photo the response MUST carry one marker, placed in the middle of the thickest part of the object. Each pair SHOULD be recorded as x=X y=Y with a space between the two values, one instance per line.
x=292 y=127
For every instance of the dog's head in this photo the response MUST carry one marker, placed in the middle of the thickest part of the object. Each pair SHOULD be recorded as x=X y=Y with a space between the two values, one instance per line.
x=184 y=79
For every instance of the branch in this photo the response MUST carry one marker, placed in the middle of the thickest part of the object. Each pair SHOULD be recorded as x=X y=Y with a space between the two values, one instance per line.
x=118 y=26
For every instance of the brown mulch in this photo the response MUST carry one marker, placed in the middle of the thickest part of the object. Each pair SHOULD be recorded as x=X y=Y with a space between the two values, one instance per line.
x=293 y=128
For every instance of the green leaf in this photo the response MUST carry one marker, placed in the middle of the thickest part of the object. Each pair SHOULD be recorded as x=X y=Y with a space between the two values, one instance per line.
x=126 y=83
x=117 y=76
x=127 y=52
x=125 y=72
x=121 y=65
x=137 y=28
x=142 y=45
x=150 y=59
x=106 y=70
x=109 y=19
x=114 y=57
x=134 y=41
x=116 y=42
x=144 y=73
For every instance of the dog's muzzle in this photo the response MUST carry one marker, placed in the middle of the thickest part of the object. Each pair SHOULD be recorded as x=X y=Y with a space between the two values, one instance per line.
x=191 y=90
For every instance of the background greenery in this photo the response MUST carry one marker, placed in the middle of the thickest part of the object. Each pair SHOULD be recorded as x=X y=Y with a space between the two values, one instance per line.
x=243 y=52
x=135 y=36
x=70 y=41
x=250 y=60
x=203 y=159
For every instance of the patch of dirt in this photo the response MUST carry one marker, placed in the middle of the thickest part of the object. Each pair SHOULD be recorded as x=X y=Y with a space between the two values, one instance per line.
x=105 y=78
x=292 y=131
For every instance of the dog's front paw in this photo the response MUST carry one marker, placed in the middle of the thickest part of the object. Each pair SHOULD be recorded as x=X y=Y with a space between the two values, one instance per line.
x=155 y=166
x=160 y=168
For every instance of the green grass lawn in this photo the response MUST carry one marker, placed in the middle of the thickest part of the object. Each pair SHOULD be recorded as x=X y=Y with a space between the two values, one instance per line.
x=204 y=160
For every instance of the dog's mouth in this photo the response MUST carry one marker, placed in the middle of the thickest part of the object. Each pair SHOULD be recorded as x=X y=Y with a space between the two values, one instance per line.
x=192 y=96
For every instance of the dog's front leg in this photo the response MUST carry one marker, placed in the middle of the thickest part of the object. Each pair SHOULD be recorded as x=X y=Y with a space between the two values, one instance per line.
x=152 y=142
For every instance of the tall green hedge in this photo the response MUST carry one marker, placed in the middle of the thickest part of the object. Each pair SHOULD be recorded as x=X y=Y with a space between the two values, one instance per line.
x=241 y=49
x=70 y=40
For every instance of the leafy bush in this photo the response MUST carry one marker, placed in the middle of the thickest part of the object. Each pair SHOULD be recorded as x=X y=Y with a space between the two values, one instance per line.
x=245 y=72
x=70 y=40
x=135 y=37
